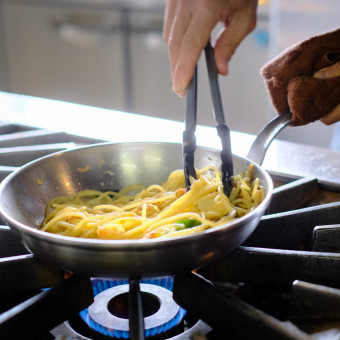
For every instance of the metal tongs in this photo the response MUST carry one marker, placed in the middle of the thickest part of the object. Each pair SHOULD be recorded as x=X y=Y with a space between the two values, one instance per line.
x=223 y=131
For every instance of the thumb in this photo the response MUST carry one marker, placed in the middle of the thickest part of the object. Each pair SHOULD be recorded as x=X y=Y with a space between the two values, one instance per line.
x=329 y=72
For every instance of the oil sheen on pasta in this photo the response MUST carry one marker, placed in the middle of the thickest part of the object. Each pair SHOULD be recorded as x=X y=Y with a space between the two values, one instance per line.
x=158 y=211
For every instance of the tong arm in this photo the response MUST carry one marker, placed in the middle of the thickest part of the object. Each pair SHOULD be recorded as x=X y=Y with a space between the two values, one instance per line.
x=189 y=139
x=223 y=130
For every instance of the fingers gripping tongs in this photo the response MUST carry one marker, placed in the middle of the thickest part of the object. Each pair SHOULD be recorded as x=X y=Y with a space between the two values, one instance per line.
x=189 y=139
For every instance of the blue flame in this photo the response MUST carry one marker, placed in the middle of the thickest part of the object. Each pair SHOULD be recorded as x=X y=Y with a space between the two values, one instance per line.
x=100 y=285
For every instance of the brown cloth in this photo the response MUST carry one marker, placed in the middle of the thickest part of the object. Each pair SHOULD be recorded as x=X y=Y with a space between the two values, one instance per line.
x=290 y=83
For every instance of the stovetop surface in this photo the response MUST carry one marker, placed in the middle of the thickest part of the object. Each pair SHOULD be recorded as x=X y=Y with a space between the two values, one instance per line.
x=297 y=241
x=283 y=157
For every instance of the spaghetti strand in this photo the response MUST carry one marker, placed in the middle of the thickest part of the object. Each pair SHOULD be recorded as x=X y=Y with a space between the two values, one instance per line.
x=165 y=210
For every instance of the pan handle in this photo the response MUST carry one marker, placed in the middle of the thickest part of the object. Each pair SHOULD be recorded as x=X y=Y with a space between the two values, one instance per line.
x=263 y=140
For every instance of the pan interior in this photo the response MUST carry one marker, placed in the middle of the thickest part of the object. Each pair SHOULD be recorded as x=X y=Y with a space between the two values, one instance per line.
x=25 y=194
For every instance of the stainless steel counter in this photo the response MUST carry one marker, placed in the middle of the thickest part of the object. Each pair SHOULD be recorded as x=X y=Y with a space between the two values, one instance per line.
x=292 y=159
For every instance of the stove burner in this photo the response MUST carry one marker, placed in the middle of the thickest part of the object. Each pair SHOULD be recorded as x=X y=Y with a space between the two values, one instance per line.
x=168 y=309
x=108 y=314
x=191 y=329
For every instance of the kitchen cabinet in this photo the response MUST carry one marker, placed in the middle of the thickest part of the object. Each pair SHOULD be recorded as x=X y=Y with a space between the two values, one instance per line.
x=115 y=58
x=66 y=54
x=4 y=75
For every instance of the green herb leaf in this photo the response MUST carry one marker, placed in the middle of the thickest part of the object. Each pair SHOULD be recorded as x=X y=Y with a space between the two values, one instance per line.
x=188 y=223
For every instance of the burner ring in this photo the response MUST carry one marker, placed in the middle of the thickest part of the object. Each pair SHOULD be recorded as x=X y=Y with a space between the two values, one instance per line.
x=99 y=312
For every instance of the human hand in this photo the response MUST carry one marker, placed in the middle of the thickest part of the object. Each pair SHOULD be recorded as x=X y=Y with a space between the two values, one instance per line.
x=330 y=72
x=187 y=28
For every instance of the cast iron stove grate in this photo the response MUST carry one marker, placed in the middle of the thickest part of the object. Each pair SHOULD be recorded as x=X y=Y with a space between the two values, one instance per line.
x=282 y=283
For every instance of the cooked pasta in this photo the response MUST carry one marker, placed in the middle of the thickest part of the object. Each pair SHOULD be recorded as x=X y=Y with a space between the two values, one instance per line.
x=157 y=211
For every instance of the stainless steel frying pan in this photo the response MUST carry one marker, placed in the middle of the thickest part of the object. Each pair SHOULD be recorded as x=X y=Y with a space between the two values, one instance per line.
x=25 y=193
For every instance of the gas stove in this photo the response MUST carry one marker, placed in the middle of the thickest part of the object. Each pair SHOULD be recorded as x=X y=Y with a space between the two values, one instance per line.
x=282 y=283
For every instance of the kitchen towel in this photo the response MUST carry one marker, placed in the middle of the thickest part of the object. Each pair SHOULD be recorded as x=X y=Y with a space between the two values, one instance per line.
x=290 y=83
